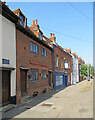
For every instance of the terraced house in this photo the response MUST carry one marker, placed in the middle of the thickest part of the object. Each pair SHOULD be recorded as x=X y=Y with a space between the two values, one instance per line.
x=32 y=63
x=62 y=65
x=8 y=20
x=34 y=59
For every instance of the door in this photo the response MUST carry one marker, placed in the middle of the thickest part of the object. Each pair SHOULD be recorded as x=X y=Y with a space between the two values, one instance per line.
x=23 y=80
x=5 y=87
x=63 y=81
x=66 y=80
x=49 y=78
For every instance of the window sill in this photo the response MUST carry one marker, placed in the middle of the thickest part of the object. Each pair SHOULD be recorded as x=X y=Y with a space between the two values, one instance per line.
x=43 y=56
x=34 y=53
x=34 y=80
x=44 y=79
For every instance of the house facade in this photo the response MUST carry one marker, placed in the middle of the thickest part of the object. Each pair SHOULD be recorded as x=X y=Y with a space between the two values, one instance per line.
x=62 y=65
x=75 y=73
x=34 y=60
x=8 y=54
x=80 y=62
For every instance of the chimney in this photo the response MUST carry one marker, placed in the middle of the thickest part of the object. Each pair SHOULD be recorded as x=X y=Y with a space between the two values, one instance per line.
x=53 y=35
x=36 y=22
x=33 y=22
x=50 y=35
x=52 y=38
x=4 y=2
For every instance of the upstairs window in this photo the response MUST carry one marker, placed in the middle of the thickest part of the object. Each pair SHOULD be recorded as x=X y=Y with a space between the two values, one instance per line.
x=34 y=48
x=43 y=52
x=61 y=62
x=69 y=64
x=57 y=60
x=22 y=20
x=40 y=35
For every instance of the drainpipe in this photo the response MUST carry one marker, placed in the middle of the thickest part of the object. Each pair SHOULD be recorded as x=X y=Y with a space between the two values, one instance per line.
x=54 y=67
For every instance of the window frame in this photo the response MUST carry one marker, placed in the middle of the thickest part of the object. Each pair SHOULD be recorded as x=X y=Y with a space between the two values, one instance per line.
x=43 y=52
x=61 y=62
x=35 y=76
x=42 y=74
x=34 y=48
x=57 y=60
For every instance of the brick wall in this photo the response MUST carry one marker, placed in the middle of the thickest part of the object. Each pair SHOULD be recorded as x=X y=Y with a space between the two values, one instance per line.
x=63 y=54
x=26 y=58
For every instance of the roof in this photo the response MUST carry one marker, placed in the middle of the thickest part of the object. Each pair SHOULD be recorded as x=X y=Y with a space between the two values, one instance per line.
x=30 y=34
x=18 y=11
x=7 y=13
x=73 y=54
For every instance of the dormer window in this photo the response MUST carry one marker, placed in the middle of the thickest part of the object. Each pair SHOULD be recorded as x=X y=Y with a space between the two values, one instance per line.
x=22 y=20
x=40 y=35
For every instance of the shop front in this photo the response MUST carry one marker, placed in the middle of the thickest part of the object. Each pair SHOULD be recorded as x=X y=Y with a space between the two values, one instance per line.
x=59 y=80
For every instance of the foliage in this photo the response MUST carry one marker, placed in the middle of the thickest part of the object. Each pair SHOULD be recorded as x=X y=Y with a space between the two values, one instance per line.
x=85 y=68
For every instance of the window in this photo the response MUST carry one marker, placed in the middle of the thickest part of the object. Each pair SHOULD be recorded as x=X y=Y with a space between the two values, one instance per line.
x=69 y=64
x=40 y=35
x=34 y=74
x=57 y=60
x=43 y=52
x=22 y=20
x=44 y=72
x=61 y=62
x=34 y=48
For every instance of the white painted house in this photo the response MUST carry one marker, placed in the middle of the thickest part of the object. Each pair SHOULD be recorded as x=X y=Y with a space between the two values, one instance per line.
x=75 y=72
x=8 y=54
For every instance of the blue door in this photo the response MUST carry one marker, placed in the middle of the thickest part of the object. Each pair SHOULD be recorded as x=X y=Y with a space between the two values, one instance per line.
x=65 y=80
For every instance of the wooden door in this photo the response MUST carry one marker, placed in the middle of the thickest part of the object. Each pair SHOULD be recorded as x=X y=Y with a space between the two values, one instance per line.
x=5 y=87
x=23 y=80
x=49 y=78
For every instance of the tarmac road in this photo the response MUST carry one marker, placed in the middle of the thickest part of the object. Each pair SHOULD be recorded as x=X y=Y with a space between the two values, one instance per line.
x=75 y=101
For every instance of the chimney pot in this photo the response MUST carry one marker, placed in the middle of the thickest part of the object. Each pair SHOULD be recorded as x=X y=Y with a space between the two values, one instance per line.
x=36 y=21
x=50 y=34
x=4 y=2
x=33 y=22
x=53 y=34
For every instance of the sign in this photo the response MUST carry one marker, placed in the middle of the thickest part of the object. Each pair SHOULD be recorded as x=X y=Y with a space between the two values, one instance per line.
x=66 y=65
x=5 y=61
x=59 y=80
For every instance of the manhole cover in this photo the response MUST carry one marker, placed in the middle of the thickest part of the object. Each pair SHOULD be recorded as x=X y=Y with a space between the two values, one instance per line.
x=56 y=97
x=83 y=110
x=47 y=104
x=27 y=107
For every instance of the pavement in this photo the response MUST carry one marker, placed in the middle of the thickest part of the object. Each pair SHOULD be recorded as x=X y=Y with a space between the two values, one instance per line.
x=75 y=101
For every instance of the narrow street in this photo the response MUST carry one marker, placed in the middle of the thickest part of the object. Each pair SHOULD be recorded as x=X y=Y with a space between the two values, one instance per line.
x=75 y=101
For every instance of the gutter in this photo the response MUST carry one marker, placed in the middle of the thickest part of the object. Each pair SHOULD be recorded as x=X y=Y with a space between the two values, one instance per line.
x=54 y=82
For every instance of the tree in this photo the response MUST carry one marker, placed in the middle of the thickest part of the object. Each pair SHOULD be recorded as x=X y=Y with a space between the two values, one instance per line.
x=84 y=70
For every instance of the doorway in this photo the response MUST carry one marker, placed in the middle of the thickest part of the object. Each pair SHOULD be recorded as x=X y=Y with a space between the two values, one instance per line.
x=5 y=87
x=23 y=81
x=49 y=78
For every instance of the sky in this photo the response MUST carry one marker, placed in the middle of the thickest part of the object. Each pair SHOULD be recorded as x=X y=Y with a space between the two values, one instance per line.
x=72 y=23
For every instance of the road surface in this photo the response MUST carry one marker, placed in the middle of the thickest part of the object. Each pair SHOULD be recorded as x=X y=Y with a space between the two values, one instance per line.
x=75 y=101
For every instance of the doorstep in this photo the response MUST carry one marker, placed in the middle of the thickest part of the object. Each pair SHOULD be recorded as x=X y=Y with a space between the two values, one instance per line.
x=7 y=108
x=26 y=99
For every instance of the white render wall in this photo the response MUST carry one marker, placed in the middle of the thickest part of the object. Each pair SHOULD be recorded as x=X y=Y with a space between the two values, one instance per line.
x=75 y=73
x=8 y=51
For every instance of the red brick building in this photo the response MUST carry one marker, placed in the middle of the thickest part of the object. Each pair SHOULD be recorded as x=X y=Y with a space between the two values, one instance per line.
x=62 y=65
x=34 y=60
